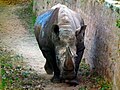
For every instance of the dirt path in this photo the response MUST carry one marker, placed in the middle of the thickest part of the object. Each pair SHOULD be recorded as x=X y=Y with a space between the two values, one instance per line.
x=14 y=36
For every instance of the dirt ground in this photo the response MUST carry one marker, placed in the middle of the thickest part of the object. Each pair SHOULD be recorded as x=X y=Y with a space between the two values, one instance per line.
x=14 y=36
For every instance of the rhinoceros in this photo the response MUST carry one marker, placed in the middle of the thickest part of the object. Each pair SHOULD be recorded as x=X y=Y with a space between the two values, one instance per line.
x=60 y=34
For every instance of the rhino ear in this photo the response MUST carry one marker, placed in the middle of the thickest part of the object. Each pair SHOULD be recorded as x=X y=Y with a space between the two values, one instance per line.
x=81 y=30
x=55 y=29
x=83 y=27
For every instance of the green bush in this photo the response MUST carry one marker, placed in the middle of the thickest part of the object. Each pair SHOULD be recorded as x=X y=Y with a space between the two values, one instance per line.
x=16 y=75
x=118 y=23
x=14 y=2
x=26 y=15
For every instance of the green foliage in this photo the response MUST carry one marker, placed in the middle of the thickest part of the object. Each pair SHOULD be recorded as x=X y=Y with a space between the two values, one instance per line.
x=101 y=1
x=92 y=80
x=14 y=2
x=118 y=23
x=27 y=16
x=16 y=75
x=34 y=18
x=9 y=70
x=83 y=3
x=102 y=83
x=83 y=88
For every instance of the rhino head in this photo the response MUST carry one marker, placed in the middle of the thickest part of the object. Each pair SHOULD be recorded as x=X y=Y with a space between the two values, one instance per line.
x=66 y=41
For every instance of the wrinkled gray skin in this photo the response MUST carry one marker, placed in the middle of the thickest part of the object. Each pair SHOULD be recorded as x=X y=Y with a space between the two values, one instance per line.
x=62 y=43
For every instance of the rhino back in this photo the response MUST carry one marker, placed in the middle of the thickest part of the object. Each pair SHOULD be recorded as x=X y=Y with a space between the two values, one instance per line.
x=43 y=28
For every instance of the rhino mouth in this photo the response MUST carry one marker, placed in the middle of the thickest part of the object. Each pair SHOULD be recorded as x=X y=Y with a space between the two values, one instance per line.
x=68 y=74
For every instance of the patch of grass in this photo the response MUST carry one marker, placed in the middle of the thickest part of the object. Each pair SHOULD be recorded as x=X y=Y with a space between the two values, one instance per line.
x=101 y=1
x=34 y=18
x=83 y=2
x=101 y=83
x=84 y=69
x=0 y=79
x=118 y=23
x=9 y=71
x=27 y=16
x=83 y=88
x=16 y=75
x=91 y=80
x=14 y=2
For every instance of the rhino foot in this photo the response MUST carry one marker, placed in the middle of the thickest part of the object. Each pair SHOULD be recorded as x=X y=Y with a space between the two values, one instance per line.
x=48 y=68
x=56 y=79
x=73 y=82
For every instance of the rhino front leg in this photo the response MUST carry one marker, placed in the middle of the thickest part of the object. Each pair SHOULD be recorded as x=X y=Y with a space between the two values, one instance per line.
x=48 y=67
x=51 y=59
x=80 y=51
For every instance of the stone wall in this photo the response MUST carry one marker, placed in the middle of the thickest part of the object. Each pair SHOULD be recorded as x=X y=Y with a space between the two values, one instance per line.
x=102 y=38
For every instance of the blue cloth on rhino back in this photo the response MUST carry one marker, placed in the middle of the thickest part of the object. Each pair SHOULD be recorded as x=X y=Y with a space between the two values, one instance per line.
x=43 y=18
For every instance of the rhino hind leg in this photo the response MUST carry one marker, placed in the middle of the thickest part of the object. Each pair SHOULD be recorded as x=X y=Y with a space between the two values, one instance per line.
x=51 y=65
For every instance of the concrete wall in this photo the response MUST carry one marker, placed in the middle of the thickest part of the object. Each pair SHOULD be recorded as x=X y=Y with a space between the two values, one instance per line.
x=102 y=39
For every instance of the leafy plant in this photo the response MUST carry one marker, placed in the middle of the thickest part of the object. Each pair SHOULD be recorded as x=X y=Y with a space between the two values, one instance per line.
x=27 y=16
x=83 y=88
x=101 y=1
x=14 y=2
x=118 y=23
x=16 y=75
x=8 y=69
x=92 y=80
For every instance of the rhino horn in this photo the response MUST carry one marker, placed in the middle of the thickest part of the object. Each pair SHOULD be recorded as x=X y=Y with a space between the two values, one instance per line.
x=68 y=64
